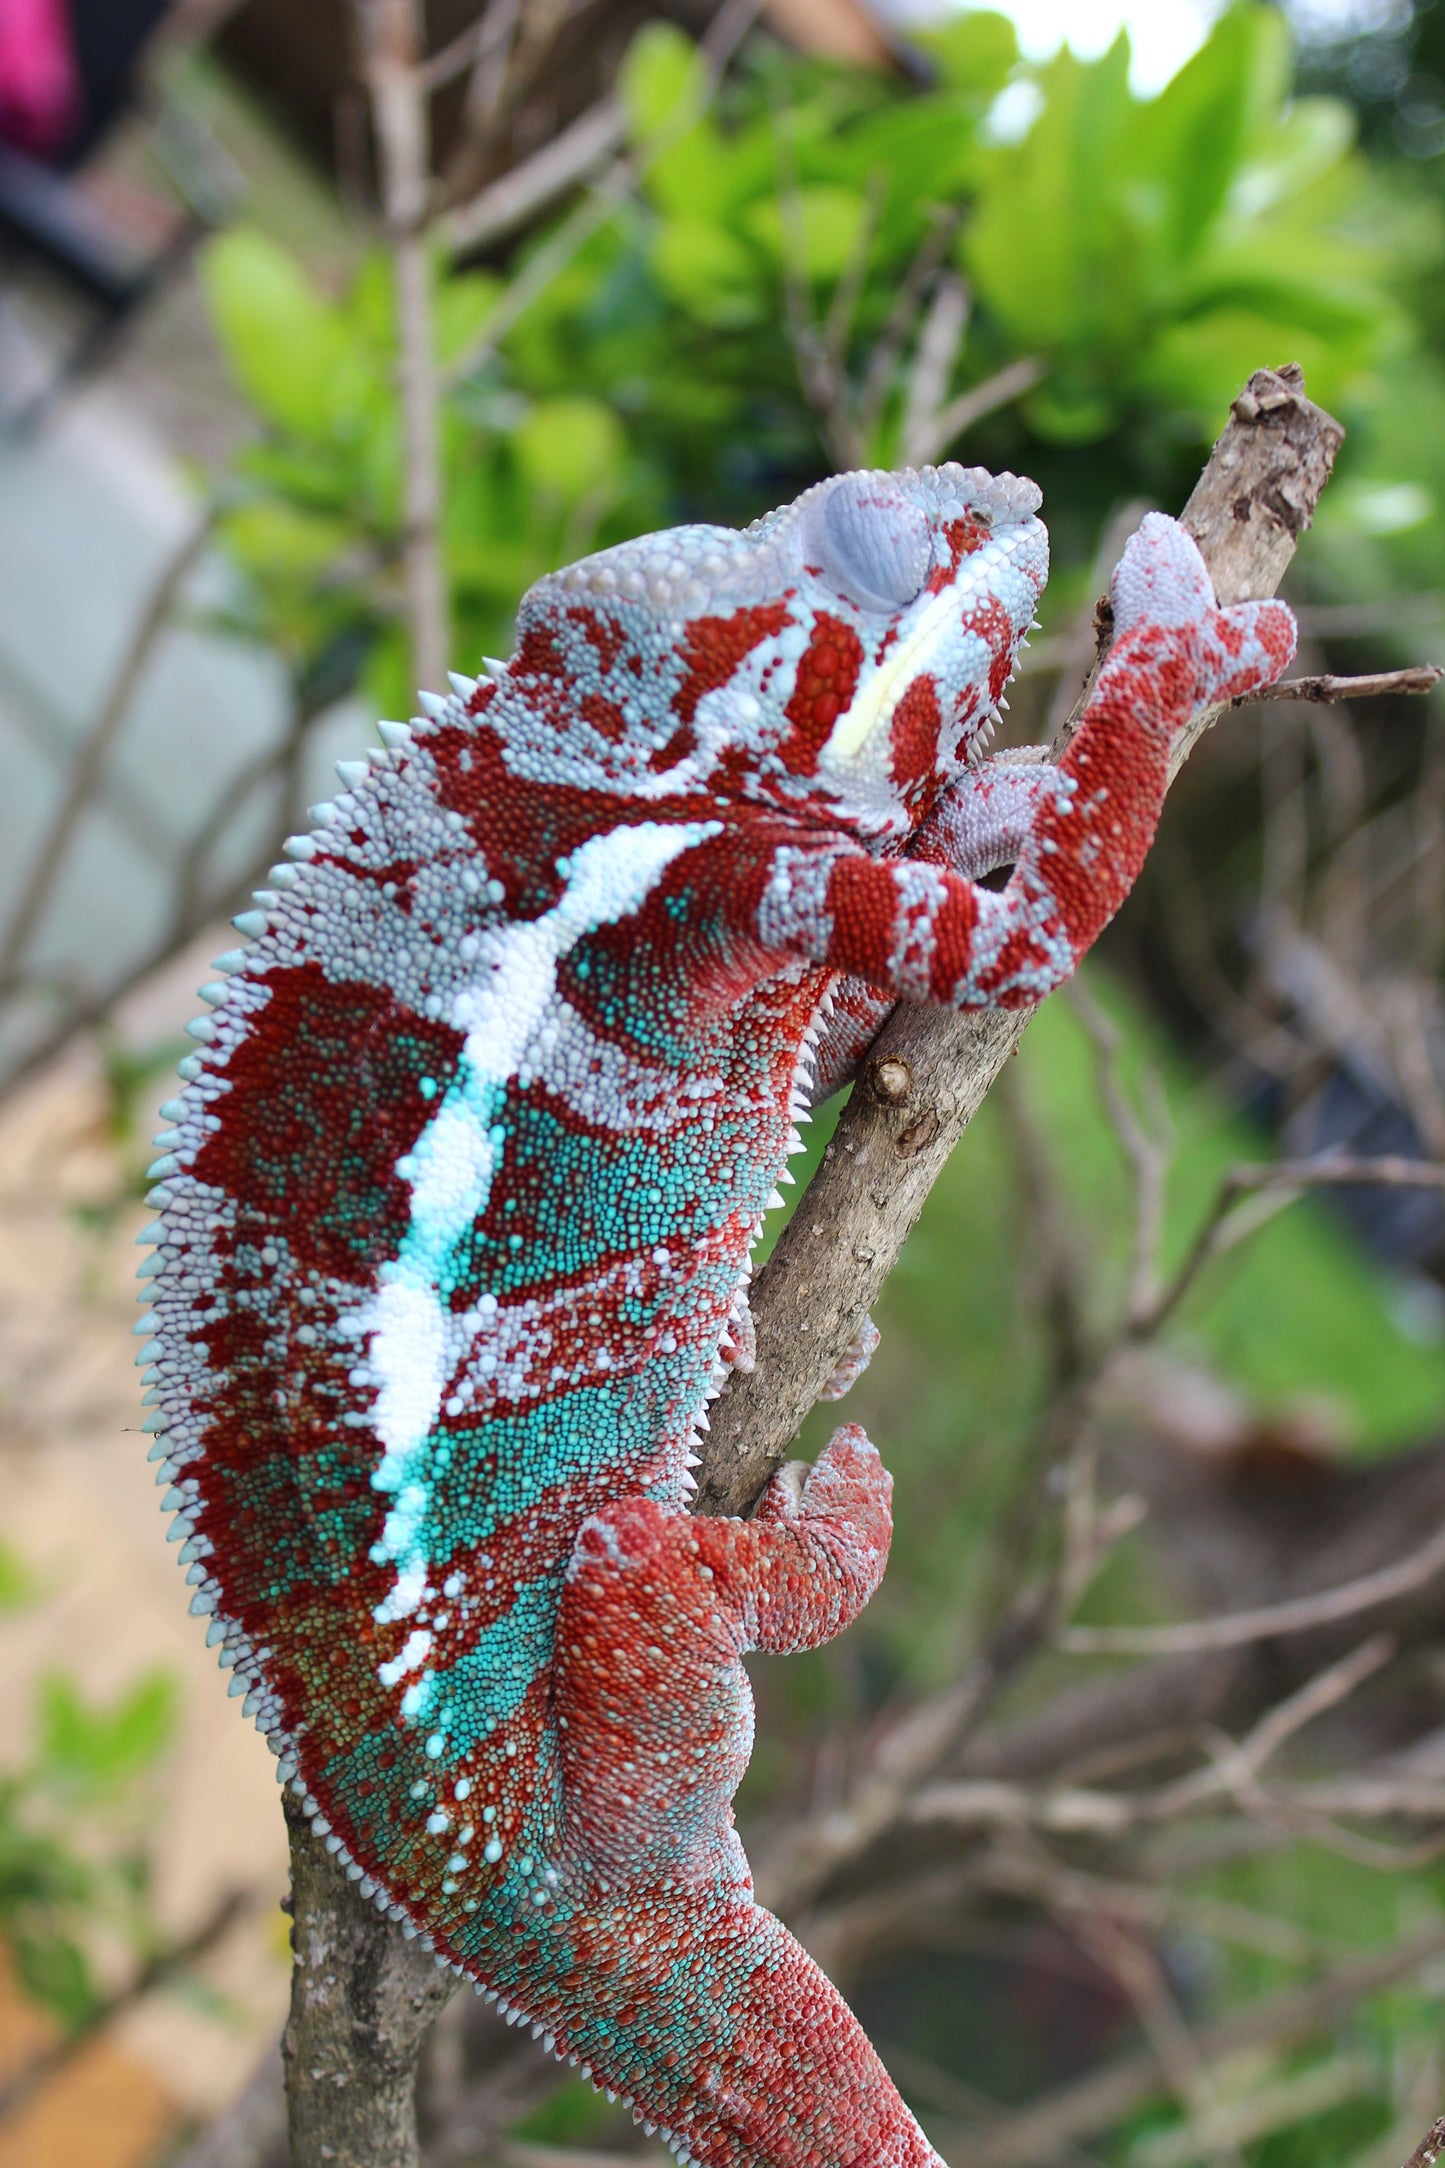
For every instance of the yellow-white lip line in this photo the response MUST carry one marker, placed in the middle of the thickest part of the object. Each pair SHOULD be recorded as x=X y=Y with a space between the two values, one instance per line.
x=875 y=702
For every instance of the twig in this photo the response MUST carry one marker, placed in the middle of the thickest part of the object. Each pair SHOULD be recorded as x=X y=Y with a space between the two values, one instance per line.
x=93 y=753
x=1233 y=1628
x=817 y=356
x=1224 y=2122
x=1420 y=677
x=157 y=1969
x=1229 y=1221
x=506 y=204
x=464 y=51
x=939 y=340
x=1430 y=2148
x=1146 y=1147
x=902 y=314
x=1097 y=2102
x=251 y=2132
x=730 y=26
x=1029 y=1871
x=1008 y=383
x=1232 y=1772
x=393 y=40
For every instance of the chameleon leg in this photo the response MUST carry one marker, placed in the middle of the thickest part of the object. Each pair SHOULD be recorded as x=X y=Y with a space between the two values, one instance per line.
x=723 y=2030
x=981 y=824
x=923 y=931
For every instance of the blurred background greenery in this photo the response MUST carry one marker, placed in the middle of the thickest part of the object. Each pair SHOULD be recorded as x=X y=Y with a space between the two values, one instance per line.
x=297 y=408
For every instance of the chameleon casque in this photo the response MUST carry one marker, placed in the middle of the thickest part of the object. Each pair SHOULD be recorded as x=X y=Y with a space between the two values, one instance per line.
x=456 y=1206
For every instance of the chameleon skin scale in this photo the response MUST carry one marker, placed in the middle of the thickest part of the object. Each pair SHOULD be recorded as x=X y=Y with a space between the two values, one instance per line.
x=456 y=1206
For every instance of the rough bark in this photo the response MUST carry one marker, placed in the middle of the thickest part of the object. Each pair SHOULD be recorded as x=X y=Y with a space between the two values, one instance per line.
x=362 y=1998
x=929 y=1070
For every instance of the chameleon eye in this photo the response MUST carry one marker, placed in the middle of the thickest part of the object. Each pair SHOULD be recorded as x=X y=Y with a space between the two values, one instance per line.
x=870 y=542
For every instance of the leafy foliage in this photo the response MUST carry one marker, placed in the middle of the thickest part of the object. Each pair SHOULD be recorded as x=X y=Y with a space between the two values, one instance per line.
x=72 y=1852
x=1145 y=253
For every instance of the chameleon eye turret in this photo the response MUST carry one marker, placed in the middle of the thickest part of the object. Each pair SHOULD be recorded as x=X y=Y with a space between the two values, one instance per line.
x=872 y=542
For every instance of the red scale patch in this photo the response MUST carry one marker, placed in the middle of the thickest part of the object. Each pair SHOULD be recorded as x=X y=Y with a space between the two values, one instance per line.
x=712 y=649
x=916 y=724
x=991 y=621
x=330 y=1077
x=608 y=639
x=963 y=537
x=826 y=682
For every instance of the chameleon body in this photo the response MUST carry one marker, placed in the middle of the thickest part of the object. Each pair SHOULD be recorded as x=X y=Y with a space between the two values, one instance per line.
x=456 y=1208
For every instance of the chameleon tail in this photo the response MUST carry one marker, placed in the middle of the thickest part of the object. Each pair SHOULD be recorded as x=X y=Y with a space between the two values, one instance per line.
x=721 y=2032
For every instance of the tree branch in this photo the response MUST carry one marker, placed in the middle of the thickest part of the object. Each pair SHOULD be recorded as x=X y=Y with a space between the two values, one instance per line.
x=392 y=44
x=929 y=1070
x=95 y=750
x=1430 y=2148
x=1102 y=2098
x=1420 y=677
x=362 y=1997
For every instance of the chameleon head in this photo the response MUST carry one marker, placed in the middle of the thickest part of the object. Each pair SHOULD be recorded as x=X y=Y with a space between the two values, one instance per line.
x=936 y=576
x=842 y=657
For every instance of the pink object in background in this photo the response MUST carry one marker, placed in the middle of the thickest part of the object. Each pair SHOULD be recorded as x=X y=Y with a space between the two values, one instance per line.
x=40 y=93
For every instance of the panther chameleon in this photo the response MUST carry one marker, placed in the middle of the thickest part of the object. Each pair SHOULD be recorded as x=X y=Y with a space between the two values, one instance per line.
x=456 y=1206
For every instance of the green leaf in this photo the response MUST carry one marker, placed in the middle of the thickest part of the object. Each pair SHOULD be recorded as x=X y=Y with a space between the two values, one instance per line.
x=823 y=227
x=569 y=446
x=284 y=540
x=54 y=1972
x=663 y=82
x=1191 y=139
x=924 y=149
x=1195 y=367
x=462 y=306
x=1051 y=250
x=707 y=272
x=1310 y=140
x=973 y=50
x=370 y=304
x=85 y=1747
x=17 y=1583
x=287 y=345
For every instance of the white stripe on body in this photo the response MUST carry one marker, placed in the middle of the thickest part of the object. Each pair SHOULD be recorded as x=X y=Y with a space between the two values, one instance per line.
x=450 y=1169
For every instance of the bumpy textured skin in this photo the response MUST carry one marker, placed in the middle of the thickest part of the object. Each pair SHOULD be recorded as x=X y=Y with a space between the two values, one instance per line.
x=456 y=1209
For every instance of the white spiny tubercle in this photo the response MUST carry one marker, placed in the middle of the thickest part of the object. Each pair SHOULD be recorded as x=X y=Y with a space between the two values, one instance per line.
x=251 y=923
x=493 y=667
x=283 y=875
x=464 y=687
x=353 y=773
x=233 y=961
x=395 y=735
x=433 y=705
